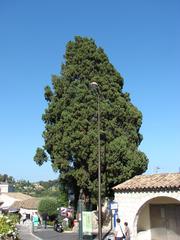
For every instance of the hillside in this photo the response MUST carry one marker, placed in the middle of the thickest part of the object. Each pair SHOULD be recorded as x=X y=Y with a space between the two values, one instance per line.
x=37 y=189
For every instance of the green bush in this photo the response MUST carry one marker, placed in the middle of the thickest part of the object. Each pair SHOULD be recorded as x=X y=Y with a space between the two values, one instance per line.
x=49 y=206
x=50 y=223
x=8 y=228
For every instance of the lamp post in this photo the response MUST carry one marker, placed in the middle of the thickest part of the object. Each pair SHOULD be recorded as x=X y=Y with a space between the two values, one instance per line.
x=95 y=86
x=80 y=205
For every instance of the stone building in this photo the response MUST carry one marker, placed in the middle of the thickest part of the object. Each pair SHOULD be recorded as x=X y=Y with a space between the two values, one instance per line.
x=27 y=206
x=151 y=206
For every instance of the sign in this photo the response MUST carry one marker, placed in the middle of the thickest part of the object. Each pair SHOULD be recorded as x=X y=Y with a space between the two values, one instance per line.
x=113 y=205
x=67 y=212
x=63 y=211
x=87 y=222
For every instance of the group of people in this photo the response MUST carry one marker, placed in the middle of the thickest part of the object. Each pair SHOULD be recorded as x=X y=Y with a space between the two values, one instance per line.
x=35 y=219
x=120 y=233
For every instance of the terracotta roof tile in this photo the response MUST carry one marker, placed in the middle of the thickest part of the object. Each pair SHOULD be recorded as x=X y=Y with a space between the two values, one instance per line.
x=18 y=196
x=155 y=181
x=31 y=203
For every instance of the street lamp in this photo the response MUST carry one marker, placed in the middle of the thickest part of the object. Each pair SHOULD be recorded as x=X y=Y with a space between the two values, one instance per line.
x=95 y=86
x=80 y=206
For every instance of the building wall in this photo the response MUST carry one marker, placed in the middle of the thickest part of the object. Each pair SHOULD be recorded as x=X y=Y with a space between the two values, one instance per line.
x=130 y=204
x=5 y=188
x=28 y=211
x=144 y=219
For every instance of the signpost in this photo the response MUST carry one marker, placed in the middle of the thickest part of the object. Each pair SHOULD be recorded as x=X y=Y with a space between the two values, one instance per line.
x=114 y=209
x=113 y=205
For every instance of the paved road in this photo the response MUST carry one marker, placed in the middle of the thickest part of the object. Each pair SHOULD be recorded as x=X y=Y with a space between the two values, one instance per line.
x=50 y=234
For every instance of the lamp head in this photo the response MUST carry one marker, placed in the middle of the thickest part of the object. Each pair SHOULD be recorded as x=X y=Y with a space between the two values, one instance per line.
x=94 y=86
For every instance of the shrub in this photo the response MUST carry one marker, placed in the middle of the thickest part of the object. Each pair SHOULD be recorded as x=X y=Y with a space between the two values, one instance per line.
x=8 y=228
x=48 y=206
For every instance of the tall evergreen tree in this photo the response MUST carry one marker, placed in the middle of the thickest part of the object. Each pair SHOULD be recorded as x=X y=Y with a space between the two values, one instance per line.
x=71 y=123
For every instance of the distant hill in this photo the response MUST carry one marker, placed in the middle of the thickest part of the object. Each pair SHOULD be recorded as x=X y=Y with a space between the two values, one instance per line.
x=38 y=189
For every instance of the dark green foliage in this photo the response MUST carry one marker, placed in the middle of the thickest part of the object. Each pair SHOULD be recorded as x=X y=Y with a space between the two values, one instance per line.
x=48 y=206
x=71 y=123
x=62 y=199
x=6 y=178
x=40 y=156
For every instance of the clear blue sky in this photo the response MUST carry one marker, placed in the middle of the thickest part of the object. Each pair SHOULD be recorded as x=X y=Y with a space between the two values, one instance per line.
x=142 y=41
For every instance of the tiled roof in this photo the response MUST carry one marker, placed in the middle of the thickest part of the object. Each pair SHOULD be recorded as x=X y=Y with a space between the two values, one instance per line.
x=147 y=182
x=31 y=203
x=18 y=196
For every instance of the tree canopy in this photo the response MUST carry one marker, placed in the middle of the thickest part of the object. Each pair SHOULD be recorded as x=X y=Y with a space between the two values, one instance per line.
x=71 y=136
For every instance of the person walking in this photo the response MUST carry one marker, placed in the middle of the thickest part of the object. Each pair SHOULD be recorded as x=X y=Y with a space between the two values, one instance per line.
x=45 y=218
x=118 y=234
x=35 y=220
x=126 y=231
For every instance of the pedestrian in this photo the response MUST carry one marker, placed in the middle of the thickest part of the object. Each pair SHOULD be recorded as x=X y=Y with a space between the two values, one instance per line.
x=118 y=233
x=126 y=231
x=35 y=220
x=45 y=218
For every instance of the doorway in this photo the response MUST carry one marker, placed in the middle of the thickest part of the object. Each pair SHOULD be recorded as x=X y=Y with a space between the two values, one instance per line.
x=165 y=221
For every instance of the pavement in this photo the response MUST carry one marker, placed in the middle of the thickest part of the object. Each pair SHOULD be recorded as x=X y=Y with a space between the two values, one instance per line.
x=25 y=233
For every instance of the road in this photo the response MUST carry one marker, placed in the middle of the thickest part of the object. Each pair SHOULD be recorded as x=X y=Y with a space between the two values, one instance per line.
x=50 y=234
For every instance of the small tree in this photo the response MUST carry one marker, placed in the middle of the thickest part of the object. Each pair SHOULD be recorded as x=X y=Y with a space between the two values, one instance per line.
x=48 y=206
